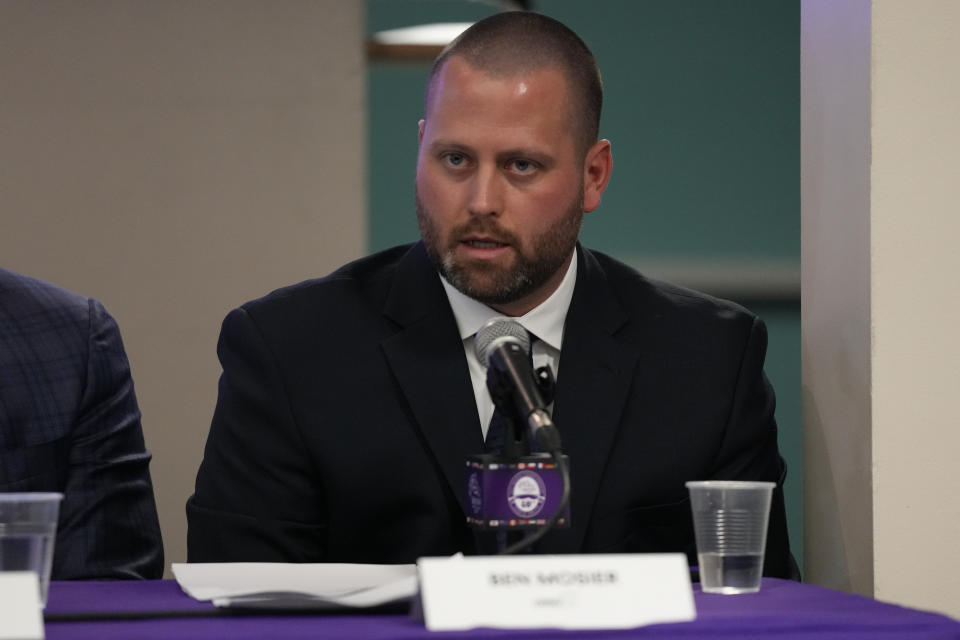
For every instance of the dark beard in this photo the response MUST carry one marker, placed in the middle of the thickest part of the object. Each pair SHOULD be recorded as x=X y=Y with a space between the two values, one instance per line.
x=491 y=284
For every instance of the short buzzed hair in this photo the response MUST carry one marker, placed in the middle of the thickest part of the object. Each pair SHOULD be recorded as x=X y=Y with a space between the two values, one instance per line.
x=513 y=42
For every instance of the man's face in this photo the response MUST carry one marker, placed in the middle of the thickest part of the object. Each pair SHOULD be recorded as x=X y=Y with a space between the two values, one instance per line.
x=500 y=184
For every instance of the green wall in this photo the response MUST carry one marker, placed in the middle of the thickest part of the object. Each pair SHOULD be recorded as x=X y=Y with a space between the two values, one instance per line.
x=702 y=106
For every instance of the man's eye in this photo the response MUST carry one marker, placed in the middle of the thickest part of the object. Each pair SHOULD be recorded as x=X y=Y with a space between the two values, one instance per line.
x=455 y=159
x=522 y=166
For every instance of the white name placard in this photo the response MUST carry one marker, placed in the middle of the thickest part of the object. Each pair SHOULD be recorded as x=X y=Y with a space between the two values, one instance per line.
x=615 y=591
x=21 y=616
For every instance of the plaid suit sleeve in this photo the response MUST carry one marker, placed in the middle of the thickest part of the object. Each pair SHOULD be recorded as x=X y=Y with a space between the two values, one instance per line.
x=108 y=523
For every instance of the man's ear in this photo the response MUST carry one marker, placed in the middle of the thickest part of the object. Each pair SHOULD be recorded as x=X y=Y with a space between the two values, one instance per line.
x=420 y=132
x=596 y=173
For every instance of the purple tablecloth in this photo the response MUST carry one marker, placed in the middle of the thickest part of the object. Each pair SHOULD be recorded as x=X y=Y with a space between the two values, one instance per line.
x=782 y=610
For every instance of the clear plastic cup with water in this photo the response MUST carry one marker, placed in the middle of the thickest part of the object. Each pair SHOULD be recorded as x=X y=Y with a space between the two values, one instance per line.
x=730 y=522
x=28 y=527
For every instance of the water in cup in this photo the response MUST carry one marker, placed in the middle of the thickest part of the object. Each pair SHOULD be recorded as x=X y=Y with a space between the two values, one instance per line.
x=723 y=573
x=28 y=527
x=28 y=547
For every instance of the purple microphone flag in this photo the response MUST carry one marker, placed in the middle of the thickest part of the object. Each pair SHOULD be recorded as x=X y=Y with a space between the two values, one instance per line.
x=520 y=494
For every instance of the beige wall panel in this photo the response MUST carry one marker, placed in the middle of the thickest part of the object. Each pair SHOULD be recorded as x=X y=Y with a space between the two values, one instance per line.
x=916 y=302
x=174 y=159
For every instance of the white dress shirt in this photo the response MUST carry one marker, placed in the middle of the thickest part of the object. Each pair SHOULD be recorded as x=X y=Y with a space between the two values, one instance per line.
x=545 y=321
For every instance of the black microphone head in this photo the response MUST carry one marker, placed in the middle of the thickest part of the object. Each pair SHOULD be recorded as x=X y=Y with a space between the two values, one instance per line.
x=497 y=331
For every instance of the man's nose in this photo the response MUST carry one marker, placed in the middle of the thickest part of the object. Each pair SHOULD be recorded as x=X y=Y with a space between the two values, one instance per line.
x=486 y=194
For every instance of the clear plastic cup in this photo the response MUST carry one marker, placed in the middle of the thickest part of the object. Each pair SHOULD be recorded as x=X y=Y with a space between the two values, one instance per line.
x=730 y=522
x=28 y=527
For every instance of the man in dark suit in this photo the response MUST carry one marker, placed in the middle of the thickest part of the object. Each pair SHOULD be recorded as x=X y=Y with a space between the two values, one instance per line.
x=348 y=404
x=69 y=423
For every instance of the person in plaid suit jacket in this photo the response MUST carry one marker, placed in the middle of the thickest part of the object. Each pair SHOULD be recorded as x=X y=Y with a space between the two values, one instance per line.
x=69 y=422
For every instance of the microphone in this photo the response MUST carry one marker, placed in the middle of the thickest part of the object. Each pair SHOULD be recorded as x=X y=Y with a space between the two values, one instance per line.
x=507 y=492
x=503 y=347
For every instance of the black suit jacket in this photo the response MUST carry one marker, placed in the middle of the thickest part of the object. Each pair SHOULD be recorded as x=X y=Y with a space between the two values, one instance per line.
x=69 y=423
x=345 y=413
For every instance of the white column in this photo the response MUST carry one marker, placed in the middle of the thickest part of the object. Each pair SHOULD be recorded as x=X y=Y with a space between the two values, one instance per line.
x=835 y=308
x=915 y=283
x=881 y=298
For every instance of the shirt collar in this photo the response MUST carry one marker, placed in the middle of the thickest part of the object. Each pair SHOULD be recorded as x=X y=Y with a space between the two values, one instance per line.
x=545 y=320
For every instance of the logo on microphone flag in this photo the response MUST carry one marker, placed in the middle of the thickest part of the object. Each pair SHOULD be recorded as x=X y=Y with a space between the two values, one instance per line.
x=526 y=494
x=518 y=494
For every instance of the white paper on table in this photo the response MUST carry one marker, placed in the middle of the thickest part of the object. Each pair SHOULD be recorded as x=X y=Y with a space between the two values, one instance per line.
x=21 y=614
x=288 y=585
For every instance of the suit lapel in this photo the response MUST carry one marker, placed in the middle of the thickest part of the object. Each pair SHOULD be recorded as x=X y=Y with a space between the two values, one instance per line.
x=592 y=387
x=427 y=360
